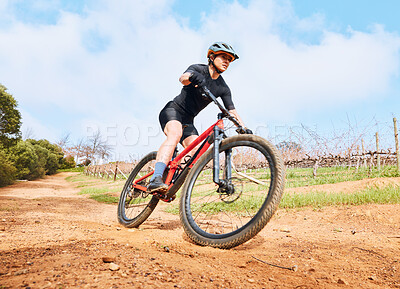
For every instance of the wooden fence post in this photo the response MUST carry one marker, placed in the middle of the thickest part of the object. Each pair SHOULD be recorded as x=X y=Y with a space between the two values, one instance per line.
x=358 y=158
x=349 y=156
x=378 y=156
x=396 y=138
x=371 y=163
x=363 y=153
x=116 y=171
x=315 y=168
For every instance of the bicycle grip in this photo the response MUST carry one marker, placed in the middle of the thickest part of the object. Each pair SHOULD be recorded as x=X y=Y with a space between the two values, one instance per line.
x=240 y=130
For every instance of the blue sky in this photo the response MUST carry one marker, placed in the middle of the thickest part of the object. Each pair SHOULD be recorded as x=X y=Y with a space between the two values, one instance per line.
x=331 y=67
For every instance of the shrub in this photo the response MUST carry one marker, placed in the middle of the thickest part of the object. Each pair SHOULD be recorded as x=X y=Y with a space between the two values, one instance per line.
x=52 y=164
x=48 y=161
x=26 y=161
x=8 y=171
x=50 y=155
x=67 y=163
x=35 y=158
x=42 y=155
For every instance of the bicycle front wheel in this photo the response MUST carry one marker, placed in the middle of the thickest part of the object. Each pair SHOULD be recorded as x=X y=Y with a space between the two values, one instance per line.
x=135 y=206
x=254 y=172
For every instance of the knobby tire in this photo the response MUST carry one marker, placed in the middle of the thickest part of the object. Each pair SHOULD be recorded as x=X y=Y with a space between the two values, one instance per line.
x=145 y=203
x=199 y=225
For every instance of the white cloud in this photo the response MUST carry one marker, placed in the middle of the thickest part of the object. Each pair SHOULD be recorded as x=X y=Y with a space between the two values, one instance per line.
x=293 y=76
x=338 y=71
x=119 y=64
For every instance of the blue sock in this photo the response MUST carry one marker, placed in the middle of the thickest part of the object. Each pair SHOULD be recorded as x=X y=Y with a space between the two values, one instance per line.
x=158 y=170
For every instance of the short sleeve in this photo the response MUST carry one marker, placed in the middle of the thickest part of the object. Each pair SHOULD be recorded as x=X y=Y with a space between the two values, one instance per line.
x=192 y=68
x=227 y=99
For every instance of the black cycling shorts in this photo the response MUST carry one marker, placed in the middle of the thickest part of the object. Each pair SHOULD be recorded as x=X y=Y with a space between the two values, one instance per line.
x=173 y=112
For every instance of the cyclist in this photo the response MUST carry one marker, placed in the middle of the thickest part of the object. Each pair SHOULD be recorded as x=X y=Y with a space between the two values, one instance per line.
x=176 y=118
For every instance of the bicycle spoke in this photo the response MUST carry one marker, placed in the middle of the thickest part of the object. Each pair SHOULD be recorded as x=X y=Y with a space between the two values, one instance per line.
x=135 y=205
x=231 y=209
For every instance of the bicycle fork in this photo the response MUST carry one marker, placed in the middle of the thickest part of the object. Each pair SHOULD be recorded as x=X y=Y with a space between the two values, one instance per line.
x=224 y=182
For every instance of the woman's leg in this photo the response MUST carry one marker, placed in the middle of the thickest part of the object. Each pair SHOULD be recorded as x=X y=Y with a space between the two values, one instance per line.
x=173 y=131
x=190 y=133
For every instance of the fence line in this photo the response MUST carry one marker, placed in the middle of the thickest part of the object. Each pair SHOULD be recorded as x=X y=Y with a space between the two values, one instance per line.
x=396 y=138
x=352 y=160
x=369 y=159
x=115 y=170
x=294 y=157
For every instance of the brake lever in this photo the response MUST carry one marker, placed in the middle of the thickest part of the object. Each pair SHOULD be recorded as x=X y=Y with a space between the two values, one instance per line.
x=240 y=130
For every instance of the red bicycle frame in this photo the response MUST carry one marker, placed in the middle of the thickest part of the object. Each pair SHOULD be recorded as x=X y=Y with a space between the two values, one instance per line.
x=174 y=164
x=213 y=135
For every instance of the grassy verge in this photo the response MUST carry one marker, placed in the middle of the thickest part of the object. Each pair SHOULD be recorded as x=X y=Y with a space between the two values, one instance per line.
x=104 y=190
x=375 y=195
x=101 y=190
x=101 y=194
x=77 y=169
x=304 y=177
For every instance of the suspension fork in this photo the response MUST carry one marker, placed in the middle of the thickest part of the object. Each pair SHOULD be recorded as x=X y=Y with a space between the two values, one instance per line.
x=228 y=164
x=218 y=136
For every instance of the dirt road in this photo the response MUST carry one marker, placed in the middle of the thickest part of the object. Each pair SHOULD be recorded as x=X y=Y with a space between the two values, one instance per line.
x=51 y=237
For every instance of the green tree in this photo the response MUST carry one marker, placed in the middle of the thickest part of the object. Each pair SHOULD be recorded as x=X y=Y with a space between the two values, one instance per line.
x=42 y=156
x=52 y=159
x=10 y=119
x=35 y=158
x=68 y=163
x=26 y=161
x=8 y=172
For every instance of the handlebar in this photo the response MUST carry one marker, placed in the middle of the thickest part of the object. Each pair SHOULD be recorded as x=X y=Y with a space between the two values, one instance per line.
x=208 y=94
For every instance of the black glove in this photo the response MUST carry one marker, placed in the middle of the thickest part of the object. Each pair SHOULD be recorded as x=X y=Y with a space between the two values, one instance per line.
x=197 y=78
x=243 y=130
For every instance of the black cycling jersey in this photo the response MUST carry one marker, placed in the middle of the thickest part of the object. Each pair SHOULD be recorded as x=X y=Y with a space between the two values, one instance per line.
x=190 y=99
x=189 y=103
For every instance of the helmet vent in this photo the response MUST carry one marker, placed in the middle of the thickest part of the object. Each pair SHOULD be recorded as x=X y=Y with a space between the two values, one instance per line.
x=219 y=47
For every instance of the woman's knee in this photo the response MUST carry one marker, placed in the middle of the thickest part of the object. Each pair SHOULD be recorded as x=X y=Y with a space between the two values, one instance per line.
x=173 y=131
x=174 y=137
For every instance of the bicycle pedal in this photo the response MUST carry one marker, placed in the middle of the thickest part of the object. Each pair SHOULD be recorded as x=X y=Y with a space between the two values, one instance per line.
x=164 y=197
x=157 y=190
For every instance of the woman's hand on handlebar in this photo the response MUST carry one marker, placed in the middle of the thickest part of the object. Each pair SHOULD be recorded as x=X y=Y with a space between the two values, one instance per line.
x=232 y=114
x=197 y=79
x=244 y=130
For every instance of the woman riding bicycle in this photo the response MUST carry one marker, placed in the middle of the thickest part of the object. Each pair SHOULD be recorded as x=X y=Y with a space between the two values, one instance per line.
x=176 y=118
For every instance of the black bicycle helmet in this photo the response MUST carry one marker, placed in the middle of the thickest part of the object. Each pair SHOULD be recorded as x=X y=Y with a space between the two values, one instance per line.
x=222 y=47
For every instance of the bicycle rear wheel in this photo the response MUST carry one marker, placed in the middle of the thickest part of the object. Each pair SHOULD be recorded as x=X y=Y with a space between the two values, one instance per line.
x=135 y=206
x=230 y=217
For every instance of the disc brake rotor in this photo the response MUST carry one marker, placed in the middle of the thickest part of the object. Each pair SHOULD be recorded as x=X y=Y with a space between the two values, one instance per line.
x=233 y=192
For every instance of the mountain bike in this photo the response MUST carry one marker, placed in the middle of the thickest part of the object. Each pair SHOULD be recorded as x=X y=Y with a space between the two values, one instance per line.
x=232 y=186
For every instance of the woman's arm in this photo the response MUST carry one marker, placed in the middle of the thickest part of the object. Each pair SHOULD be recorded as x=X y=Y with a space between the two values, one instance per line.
x=235 y=114
x=184 y=79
